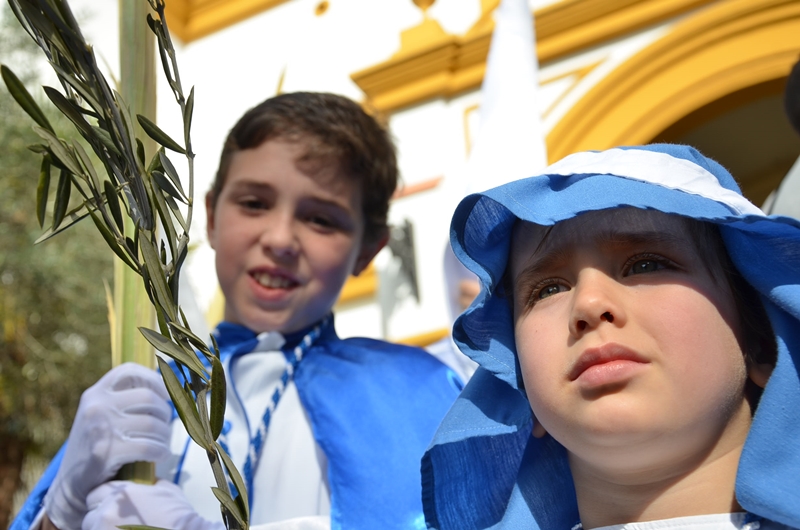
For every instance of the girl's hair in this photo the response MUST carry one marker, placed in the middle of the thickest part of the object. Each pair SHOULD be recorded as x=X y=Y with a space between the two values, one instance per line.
x=332 y=128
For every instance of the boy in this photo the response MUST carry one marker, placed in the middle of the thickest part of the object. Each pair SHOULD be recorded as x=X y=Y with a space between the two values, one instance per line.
x=633 y=307
x=299 y=202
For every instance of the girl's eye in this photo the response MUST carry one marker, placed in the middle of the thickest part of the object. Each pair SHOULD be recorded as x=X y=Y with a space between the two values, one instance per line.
x=645 y=264
x=547 y=290
x=550 y=290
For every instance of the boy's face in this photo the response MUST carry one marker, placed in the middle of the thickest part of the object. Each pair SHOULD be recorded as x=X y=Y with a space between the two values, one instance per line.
x=287 y=234
x=628 y=345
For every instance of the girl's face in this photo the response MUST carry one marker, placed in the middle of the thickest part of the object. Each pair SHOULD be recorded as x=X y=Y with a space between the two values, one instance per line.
x=629 y=346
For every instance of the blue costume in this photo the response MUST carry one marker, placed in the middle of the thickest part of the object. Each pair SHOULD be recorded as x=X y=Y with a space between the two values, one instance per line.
x=484 y=469
x=373 y=408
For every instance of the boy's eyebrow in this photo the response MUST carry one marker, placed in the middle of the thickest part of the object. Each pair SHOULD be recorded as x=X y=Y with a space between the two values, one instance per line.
x=559 y=255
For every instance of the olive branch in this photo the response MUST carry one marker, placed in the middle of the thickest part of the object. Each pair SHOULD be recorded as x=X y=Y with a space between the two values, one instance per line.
x=147 y=193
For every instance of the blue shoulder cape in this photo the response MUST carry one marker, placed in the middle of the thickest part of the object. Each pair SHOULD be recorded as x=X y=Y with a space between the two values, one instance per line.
x=484 y=469
x=373 y=406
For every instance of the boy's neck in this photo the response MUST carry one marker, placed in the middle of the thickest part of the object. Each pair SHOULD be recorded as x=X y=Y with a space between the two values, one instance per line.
x=699 y=488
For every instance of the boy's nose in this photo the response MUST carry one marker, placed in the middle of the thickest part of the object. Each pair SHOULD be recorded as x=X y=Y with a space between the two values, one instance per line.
x=279 y=238
x=596 y=299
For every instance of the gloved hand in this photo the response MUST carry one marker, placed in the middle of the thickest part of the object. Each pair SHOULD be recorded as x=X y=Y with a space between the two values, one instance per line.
x=162 y=505
x=122 y=419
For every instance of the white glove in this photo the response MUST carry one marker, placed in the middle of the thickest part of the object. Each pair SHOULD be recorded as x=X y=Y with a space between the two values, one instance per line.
x=162 y=505
x=122 y=419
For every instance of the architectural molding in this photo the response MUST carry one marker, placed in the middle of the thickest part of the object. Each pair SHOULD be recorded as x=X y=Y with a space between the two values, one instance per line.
x=728 y=47
x=191 y=19
x=449 y=64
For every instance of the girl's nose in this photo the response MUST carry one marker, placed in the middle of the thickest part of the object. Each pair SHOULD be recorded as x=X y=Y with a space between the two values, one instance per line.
x=596 y=299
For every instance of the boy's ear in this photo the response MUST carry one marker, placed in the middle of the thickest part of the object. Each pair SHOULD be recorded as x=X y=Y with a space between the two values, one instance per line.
x=210 y=218
x=368 y=251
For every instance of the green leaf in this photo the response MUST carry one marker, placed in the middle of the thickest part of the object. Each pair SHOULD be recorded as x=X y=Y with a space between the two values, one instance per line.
x=112 y=199
x=59 y=151
x=23 y=98
x=171 y=172
x=225 y=500
x=157 y=277
x=218 y=396
x=42 y=190
x=140 y=151
x=154 y=132
x=112 y=241
x=188 y=111
x=236 y=478
x=73 y=216
x=62 y=198
x=80 y=88
x=184 y=406
x=69 y=109
x=88 y=166
x=177 y=213
x=105 y=139
x=166 y=220
x=164 y=184
x=166 y=346
x=191 y=337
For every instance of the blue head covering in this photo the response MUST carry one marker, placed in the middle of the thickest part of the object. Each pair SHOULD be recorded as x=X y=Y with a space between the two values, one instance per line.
x=483 y=468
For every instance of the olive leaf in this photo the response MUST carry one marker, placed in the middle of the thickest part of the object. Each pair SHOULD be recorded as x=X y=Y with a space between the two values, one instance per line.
x=108 y=171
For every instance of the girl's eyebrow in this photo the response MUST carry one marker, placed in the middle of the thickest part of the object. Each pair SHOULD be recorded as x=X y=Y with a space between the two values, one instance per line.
x=557 y=255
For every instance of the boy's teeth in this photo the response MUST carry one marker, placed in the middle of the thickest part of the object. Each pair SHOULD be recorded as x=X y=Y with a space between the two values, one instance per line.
x=275 y=282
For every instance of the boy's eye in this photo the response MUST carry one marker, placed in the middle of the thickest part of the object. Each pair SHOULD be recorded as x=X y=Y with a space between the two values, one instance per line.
x=322 y=221
x=251 y=203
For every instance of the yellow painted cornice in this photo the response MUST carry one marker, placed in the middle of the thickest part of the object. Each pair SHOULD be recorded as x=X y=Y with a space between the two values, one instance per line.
x=192 y=19
x=726 y=48
x=449 y=64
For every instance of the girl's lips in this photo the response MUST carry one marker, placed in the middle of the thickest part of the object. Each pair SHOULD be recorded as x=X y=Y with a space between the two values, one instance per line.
x=605 y=364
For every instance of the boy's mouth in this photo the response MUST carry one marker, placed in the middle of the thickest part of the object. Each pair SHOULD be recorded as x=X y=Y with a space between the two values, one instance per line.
x=605 y=354
x=273 y=281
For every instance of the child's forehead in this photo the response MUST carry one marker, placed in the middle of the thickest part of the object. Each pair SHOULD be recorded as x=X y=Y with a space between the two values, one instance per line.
x=619 y=225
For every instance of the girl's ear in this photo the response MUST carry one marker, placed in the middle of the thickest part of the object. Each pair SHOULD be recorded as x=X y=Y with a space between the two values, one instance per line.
x=759 y=373
x=538 y=429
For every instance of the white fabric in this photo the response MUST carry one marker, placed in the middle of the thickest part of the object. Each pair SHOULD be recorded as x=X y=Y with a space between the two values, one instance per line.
x=124 y=417
x=656 y=168
x=290 y=480
x=509 y=143
x=722 y=521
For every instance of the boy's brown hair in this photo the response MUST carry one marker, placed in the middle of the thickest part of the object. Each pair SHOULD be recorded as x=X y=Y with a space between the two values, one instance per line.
x=332 y=127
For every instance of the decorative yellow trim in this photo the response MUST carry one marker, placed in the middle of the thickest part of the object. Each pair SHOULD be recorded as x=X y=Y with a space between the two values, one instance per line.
x=728 y=47
x=449 y=64
x=425 y=339
x=358 y=287
x=192 y=19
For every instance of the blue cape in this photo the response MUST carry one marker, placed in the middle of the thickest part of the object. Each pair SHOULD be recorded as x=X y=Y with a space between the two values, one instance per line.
x=373 y=406
x=483 y=468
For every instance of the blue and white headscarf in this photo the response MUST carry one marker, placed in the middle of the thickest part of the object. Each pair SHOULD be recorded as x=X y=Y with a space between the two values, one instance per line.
x=483 y=468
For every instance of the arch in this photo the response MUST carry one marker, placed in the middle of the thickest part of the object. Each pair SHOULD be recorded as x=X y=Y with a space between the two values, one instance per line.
x=720 y=50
